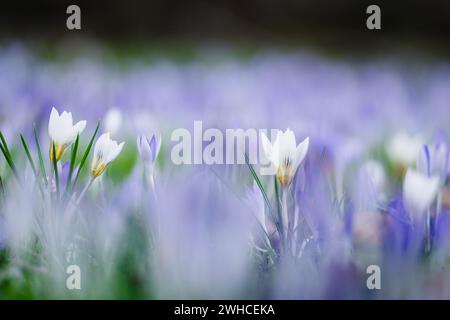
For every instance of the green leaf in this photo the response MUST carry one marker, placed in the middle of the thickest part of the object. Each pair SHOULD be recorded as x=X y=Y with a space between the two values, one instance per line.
x=27 y=151
x=277 y=196
x=41 y=158
x=73 y=157
x=2 y=189
x=33 y=167
x=258 y=182
x=266 y=198
x=5 y=145
x=7 y=155
x=85 y=156
x=55 y=170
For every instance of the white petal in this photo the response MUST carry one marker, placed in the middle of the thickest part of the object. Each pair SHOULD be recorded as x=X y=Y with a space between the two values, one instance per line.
x=403 y=148
x=74 y=132
x=275 y=155
x=300 y=153
x=66 y=119
x=114 y=152
x=266 y=145
x=53 y=123
x=419 y=191
x=79 y=126
x=100 y=145
x=290 y=140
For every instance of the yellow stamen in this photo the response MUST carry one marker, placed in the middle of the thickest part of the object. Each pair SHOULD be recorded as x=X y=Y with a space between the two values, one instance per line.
x=284 y=180
x=98 y=168
x=59 y=151
x=284 y=175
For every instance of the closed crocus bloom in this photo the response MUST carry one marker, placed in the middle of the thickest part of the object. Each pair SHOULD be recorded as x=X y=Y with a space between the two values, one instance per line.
x=433 y=160
x=148 y=149
x=419 y=191
x=105 y=151
x=285 y=155
x=62 y=131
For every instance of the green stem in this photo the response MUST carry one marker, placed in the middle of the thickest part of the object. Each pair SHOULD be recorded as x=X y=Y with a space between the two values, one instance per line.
x=284 y=213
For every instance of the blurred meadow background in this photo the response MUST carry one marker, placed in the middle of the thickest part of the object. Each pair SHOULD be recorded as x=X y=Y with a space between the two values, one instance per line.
x=372 y=188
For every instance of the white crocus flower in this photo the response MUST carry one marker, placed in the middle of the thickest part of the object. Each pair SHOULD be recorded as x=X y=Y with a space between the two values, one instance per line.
x=403 y=148
x=105 y=151
x=419 y=191
x=62 y=131
x=285 y=155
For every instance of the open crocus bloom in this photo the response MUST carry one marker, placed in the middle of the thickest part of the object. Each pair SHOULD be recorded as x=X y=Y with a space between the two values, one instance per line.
x=419 y=191
x=62 y=131
x=105 y=151
x=148 y=150
x=285 y=154
x=403 y=149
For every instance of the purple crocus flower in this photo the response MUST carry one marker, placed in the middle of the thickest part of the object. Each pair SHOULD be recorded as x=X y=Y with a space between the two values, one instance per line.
x=149 y=149
x=434 y=159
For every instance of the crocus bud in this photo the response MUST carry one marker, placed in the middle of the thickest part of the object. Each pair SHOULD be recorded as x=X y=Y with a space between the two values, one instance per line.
x=148 y=149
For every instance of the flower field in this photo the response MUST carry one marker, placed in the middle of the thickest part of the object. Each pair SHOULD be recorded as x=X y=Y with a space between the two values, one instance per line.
x=356 y=206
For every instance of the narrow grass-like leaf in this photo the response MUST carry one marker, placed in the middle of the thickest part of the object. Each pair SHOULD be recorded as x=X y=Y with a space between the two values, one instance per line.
x=85 y=156
x=278 y=215
x=2 y=189
x=55 y=169
x=73 y=157
x=7 y=155
x=258 y=182
x=5 y=145
x=33 y=167
x=41 y=158
x=27 y=151
x=277 y=196
x=266 y=198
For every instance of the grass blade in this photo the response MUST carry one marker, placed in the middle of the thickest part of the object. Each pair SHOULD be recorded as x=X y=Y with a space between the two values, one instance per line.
x=73 y=158
x=27 y=151
x=33 y=167
x=5 y=145
x=277 y=196
x=41 y=158
x=55 y=170
x=7 y=155
x=85 y=156
x=258 y=182
x=266 y=198
x=2 y=189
